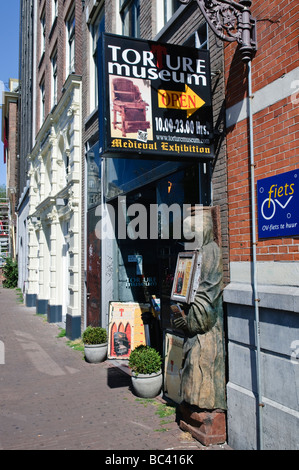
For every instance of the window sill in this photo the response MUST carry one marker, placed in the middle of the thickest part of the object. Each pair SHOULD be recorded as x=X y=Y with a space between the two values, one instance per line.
x=89 y=119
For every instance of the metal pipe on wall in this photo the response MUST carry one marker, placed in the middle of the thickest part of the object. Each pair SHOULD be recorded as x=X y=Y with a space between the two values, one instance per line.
x=254 y=262
x=232 y=21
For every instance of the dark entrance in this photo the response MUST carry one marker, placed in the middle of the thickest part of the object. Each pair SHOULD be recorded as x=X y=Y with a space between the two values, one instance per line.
x=146 y=266
x=93 y=259
x=93 y=271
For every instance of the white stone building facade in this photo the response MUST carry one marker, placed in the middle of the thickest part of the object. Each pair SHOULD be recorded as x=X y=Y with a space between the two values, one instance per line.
x=54 y=257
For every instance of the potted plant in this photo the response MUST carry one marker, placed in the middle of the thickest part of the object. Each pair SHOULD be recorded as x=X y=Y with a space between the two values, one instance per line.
x=95 y=344
x=146 y=371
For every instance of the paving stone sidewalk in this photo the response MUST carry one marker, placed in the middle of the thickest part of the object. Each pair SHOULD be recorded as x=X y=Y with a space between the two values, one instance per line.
x=51 y=399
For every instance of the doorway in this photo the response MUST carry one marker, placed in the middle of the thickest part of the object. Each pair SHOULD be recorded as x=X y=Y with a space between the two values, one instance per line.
x=145 y=265
x=93 y=243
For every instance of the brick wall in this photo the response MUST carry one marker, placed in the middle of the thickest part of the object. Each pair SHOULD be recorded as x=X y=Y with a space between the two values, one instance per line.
x=146 y=18
x=26 y=90
x=178 y=33
x=10 y=108
x=275 y=131
x=110 y=15
x=12 y=163
x=89 y=127
x=55 y=39
x=277 y=40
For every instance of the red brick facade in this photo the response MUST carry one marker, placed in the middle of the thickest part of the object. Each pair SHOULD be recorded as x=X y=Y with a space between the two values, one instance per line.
x=275 y=127
x=10 y=116
x=12 y=166
x=55 y=40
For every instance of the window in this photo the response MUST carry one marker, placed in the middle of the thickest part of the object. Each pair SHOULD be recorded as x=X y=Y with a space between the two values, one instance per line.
x=43 y=32
x=70 y=55
x=54 y=10
x=97 y=26
x=199 y=39
x=165 y=10
x=130 y=12
x=93 y=176
x=42 y=102
x=170 y=7
x=54 y=79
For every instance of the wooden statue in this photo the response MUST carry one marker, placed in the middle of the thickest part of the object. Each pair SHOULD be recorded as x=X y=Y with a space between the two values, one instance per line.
x=203 y=368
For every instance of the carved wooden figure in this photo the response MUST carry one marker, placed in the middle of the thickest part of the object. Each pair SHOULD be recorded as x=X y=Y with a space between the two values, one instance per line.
x=203 y=368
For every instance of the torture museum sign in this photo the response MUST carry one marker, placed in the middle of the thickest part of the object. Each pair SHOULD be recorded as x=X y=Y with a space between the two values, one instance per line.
x=157 y=100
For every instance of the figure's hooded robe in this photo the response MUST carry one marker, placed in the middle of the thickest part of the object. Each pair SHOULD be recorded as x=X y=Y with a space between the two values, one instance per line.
x=203 y=374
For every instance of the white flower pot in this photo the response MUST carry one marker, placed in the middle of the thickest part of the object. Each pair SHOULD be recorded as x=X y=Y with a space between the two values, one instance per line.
x=147 y=385
x=95 y=352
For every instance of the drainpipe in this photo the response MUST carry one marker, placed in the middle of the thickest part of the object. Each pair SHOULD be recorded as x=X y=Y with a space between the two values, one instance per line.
x=260 y=405
x=224 y=17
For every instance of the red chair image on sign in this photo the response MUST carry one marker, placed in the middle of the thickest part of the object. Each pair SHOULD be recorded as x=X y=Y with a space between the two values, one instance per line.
x=129 y=106
x=120 y=340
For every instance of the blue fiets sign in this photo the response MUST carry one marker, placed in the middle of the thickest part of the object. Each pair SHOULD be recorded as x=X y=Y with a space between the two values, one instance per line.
x=278 y=205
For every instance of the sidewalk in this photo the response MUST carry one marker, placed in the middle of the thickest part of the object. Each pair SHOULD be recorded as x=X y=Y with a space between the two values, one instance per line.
x=51 y=399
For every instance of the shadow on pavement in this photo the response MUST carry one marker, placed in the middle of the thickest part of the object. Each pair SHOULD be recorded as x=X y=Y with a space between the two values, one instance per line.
x=116 y=378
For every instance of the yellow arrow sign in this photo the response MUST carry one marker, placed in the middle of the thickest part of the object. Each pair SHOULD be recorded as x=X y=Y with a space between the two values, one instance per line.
x=186 y=100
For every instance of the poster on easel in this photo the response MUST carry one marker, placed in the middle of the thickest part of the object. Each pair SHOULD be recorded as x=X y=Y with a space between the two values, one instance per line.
x=126 y=328
x=172 y=366
x=186 y=276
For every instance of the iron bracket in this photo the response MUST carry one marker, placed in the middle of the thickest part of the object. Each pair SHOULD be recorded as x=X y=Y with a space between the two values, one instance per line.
x=231 y=21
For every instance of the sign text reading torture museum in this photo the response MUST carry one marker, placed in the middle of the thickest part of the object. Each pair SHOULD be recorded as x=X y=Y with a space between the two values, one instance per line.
x=157 y=100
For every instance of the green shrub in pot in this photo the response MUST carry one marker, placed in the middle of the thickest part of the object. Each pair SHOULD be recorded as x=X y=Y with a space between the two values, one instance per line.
x=95 y=344
x=94 y=335
x=145 y=360
x=146 y=366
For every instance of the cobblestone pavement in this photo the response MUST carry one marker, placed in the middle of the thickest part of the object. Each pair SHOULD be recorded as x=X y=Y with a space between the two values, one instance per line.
x=51 y=399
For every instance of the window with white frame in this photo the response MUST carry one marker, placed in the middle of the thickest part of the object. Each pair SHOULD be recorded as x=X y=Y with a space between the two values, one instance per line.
x=43 y=32
x=54 y=79
x=199 y=39
x=170 y=7
x=96 y=27
x=165 y=10
x=42 y=101
x=54 y=10
x=70 y=52
x=130 y=16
